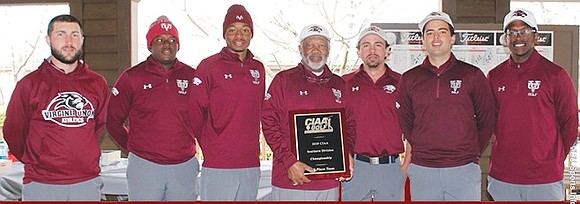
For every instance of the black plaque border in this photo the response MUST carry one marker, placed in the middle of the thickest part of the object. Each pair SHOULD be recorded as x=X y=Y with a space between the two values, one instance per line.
x=294 y=134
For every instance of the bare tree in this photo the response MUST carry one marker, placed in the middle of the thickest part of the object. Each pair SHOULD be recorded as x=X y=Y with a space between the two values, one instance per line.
x=344 y=20
x=20 y=63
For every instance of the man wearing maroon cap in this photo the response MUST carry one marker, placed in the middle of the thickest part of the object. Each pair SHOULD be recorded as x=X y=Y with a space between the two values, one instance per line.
x=153 y=96
x=447 y=115
x=309 y=86
x=379 y=141
x=229 y=89
x=537 y=120
x=55 y=118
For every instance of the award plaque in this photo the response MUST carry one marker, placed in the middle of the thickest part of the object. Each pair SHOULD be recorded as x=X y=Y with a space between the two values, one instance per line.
x=318 y=140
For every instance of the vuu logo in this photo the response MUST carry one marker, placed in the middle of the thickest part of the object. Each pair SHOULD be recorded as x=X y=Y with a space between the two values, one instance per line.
x=338 y=94
x=455 y=85
x=318 y=125
x=166 y=26
x=240 y=17
x=533 y=85
x=256 y=75
x=69 y=109
x=182 y=84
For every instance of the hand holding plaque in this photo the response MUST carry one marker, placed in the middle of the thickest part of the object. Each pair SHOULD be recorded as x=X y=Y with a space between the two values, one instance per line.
x=318 y=141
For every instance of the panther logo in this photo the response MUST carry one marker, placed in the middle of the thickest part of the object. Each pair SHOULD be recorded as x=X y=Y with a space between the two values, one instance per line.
x=69 y=109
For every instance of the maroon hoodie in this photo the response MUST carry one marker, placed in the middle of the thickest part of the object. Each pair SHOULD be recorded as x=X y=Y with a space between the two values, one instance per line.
x=53 y=124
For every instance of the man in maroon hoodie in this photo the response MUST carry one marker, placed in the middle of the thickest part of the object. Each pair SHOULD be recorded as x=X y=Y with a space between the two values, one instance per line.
x=54 y=120
x=537 y=120
x=448 y=115
x=153 y=96
x=309 y=86
x=229 y=90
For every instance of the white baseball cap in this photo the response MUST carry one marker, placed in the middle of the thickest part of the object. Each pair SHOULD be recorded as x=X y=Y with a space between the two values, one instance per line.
x=437 y=15
x=521 y=15
x=314 y=29
x=373 y=30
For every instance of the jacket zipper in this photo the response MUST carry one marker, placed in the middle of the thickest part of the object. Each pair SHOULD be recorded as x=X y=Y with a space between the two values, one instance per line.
x=437 y=91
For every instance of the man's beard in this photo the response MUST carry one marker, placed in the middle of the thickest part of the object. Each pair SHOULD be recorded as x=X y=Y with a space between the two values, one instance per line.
x=60 y=57
x=373 y=64
x=314 y=65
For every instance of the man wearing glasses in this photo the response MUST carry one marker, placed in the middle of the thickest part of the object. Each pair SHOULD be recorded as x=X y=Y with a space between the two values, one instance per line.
x=537 y=119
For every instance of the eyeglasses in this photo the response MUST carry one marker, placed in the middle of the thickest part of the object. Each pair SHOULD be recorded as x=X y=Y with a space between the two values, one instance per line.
x=521 y=33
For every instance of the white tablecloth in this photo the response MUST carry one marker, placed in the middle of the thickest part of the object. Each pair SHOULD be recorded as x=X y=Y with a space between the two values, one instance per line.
x=113 y=176
x=114 y=180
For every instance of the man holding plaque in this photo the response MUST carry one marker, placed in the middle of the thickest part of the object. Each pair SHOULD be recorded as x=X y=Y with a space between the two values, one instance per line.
x=295 y=98
x=373 y=91
x=447 y=114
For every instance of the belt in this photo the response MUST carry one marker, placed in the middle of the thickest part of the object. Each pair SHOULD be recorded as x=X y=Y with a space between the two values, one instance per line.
x=377 y=160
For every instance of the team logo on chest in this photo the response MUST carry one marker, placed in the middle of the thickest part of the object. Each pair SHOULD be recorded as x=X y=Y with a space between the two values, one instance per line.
x=256 y=75
x=355 y=88
x=338 y=94
x=69 y=109
x=455 y=85
x=389 y=88
x=197 y=81
x=182 y=84
x=533 y=85
x=228 y=76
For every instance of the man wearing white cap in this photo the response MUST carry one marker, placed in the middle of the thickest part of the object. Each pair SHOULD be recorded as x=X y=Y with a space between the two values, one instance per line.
x=537 y=119
x=309 y=86
x=373 y=91
x=447 y=115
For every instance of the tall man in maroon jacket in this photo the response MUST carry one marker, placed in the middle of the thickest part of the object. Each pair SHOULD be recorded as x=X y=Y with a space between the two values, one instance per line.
x=309 y=86
x=54 y=120
x=154 y=97
x=537 y=120
x=229 y=91
x=379 y=141
x=448 y=115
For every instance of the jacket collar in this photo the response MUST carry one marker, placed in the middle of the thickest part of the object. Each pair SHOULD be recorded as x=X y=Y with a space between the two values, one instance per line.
x=311 y=77
x=443 y=68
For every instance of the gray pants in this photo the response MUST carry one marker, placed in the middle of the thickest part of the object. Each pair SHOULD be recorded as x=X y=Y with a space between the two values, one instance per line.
x=382 y=182
x=229 y=184
x=283 y=194
x=461 y=183
x=148 y=181
x=89 y=190
x=503 y=191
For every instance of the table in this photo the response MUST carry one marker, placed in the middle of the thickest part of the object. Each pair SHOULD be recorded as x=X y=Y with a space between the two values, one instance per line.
x=113 y=176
